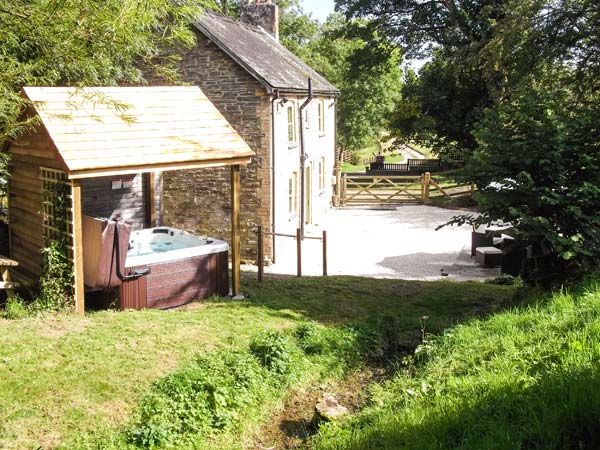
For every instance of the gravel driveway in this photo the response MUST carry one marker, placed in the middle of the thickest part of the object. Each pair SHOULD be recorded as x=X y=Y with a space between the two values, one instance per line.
x=394 y=242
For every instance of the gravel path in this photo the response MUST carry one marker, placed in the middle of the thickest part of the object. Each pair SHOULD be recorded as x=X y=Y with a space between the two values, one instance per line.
x=395 y=242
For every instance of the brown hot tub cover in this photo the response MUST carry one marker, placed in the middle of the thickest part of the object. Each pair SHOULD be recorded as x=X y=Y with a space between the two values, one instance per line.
x=99 y=252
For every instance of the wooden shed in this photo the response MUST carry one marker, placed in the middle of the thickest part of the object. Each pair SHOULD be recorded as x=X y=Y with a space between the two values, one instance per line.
x=94 y=139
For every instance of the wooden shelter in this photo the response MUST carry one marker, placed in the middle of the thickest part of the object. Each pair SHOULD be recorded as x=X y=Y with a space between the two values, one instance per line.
x=87 y=133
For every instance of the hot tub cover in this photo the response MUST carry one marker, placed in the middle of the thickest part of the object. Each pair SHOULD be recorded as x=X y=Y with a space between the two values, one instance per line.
x=110 y=130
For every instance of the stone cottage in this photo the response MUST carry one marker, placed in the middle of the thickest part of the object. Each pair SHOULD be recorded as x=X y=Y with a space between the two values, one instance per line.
x=262 y=89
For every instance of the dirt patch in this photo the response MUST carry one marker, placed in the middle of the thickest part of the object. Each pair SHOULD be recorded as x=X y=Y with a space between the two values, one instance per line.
x=291 y=428
x=54 y=327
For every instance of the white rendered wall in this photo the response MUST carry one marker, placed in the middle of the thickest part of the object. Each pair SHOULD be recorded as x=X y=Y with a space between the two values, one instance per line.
x=317 y=145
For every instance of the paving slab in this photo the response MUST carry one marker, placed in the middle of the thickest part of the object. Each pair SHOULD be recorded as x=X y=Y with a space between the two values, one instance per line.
x=387 y=242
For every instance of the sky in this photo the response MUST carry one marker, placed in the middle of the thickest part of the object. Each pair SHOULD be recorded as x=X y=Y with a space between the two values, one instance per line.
x=320 y=9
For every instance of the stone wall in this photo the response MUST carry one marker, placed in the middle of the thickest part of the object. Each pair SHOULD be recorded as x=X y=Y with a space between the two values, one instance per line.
x=99 y=199
x=199 y=201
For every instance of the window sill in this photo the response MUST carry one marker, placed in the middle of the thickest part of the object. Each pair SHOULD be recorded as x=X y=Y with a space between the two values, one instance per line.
x=292 y=145
x=322 y=134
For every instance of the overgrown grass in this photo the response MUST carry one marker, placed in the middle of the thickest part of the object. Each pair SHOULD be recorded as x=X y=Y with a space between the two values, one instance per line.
x=528 y=378
x=73 y=382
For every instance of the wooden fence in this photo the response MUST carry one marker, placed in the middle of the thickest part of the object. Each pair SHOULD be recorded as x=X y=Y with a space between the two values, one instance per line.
x=411 y=167
x=381 y=189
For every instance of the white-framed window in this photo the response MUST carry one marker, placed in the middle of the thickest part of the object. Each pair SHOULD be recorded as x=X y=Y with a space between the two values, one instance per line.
x=293 y=194
x=291 y=124
x=321 y=116
x=322 y=174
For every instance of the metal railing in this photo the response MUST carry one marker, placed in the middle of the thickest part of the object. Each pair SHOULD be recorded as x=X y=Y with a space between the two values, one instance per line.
x=299 y=238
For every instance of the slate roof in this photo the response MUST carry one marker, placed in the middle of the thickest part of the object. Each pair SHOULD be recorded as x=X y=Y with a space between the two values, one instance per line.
x=261 y=55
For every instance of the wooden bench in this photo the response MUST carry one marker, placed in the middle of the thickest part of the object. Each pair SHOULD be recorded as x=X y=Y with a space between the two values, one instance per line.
x=7 y=284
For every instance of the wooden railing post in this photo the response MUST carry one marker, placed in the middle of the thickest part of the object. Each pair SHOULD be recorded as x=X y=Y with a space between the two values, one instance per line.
x=426 y=183
x=261 y=258
x=344 y=189
x=299 y=251
x=235 y=230
x=338 y=184
x=324 y=240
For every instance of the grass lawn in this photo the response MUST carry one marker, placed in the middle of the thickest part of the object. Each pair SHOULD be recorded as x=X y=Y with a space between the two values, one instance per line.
x=528 y=378
x=65 y=377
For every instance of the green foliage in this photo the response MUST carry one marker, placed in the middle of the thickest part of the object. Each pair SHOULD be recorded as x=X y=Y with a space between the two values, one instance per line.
x=15 y=308
x=512 y=88
x=204 y=396
x=526 y=378
x=541 y=150
x=56 y=283
x=273 y=350
x=369 y=84
x=213 y=391
x=96 y=42
x=123 y=353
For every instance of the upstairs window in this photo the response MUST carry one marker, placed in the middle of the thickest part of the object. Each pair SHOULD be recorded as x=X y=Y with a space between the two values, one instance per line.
x=291 y=124
x=321 y=116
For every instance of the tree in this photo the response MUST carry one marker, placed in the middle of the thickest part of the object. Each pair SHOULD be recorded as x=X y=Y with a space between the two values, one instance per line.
x=96 y=42
x=537 y=166
x=511 y=88
x=369 y=85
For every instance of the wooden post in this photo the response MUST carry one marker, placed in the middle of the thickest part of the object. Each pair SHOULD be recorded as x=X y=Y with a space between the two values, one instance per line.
x=299 y=251
x=150 y=192
x=7 y=282
x=324 y=240
x=338 y=184
x=261 y=258
x=78 y=247
x=235 y=230
x=426 y=182
x=344 y=188
x=422 y=188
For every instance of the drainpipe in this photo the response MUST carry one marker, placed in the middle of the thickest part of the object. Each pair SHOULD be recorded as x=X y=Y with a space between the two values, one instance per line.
x=273 y=174
x=303 y=155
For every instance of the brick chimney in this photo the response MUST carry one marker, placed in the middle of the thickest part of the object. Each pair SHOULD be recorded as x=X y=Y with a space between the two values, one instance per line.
x=262 y=13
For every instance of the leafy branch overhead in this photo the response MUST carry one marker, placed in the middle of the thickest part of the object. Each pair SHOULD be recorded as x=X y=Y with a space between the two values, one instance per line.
x=96 y=42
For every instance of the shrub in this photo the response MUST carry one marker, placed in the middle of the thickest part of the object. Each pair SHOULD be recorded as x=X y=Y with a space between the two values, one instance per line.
x=274 y=351
x=15 y=308
x=204 y=396
x=56 y=284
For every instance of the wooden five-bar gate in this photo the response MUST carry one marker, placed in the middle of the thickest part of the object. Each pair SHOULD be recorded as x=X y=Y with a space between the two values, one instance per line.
x=382 y=189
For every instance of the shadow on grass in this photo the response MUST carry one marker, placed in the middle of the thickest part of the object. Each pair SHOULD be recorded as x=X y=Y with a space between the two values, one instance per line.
x=561 y=411
x=339 y=300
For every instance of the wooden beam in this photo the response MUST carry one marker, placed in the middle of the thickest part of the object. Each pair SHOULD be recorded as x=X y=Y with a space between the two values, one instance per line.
x=125 y=170
x=78 y=247
x=235 y=230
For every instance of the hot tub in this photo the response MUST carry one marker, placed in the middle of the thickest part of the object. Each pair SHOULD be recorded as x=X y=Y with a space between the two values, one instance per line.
x=183 y=267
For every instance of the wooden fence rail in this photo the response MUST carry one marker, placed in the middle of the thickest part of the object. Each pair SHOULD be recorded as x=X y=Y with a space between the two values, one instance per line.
x=382 y=189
